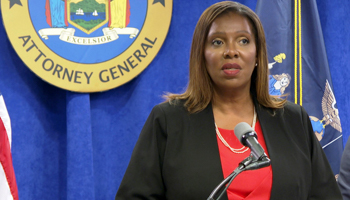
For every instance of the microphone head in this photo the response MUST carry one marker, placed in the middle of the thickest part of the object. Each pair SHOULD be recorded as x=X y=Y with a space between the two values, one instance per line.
x=241 y=129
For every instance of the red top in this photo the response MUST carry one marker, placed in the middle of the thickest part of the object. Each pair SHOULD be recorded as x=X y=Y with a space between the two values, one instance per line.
x=248 y=185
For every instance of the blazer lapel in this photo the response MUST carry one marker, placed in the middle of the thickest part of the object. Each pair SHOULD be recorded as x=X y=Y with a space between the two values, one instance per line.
x=273 y=125
x=202 y=124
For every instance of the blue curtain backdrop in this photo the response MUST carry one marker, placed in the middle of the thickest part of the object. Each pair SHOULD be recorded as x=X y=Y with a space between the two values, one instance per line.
x=77 y=146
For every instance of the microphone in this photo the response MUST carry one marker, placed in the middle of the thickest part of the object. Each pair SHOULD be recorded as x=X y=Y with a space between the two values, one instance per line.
x=247 y=136
x=257 y=159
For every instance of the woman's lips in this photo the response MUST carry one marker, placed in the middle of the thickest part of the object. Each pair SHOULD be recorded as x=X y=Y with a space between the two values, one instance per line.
x=231 y=69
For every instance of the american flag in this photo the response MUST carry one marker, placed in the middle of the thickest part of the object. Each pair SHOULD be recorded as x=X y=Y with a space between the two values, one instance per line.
x=8 y=185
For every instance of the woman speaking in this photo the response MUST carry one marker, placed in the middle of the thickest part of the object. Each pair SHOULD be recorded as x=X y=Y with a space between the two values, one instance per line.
x=187 y=145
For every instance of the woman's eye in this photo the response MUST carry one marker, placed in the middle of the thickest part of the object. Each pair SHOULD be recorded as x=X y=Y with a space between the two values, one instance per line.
x=217 y=42
x=244 y=41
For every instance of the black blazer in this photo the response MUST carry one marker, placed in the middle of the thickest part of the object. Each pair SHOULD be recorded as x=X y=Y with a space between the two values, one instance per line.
x=344 y=174
x=177 y=157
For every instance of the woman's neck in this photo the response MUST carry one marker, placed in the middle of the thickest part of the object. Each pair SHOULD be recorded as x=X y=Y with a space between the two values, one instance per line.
x=229 y=110
x=232 y=100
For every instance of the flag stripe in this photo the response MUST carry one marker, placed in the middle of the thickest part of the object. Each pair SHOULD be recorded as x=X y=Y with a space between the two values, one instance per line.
x=298 y=63
x=5 y=192
x=295 y=52
x=6 y=162
x=5 y=118
x=300 y=56
x=8 y=185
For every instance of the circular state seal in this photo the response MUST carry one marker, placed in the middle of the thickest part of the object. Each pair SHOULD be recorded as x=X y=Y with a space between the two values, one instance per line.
x=87 y=45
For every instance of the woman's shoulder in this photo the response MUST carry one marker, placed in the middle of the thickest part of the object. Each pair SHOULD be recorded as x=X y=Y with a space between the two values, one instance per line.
x=291 y=108
x=170 y=113
x=171 y=107
x=287 y=108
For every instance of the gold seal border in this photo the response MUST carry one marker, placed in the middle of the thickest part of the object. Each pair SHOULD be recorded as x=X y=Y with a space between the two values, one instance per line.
x=80 y=77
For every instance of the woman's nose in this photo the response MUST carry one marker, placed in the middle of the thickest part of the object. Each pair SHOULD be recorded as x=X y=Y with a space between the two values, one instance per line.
x=231 y=52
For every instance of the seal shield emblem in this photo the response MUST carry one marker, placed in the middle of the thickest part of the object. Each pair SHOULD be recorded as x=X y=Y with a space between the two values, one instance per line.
x=87 y=15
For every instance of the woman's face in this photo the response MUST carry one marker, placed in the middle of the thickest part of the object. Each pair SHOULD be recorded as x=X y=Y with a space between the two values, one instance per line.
x=230 y=52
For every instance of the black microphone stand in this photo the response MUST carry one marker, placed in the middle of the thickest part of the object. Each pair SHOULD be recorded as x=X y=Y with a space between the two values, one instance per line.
x=247 y=164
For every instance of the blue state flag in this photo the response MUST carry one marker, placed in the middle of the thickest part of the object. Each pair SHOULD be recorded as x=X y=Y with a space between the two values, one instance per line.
x=299 y=67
